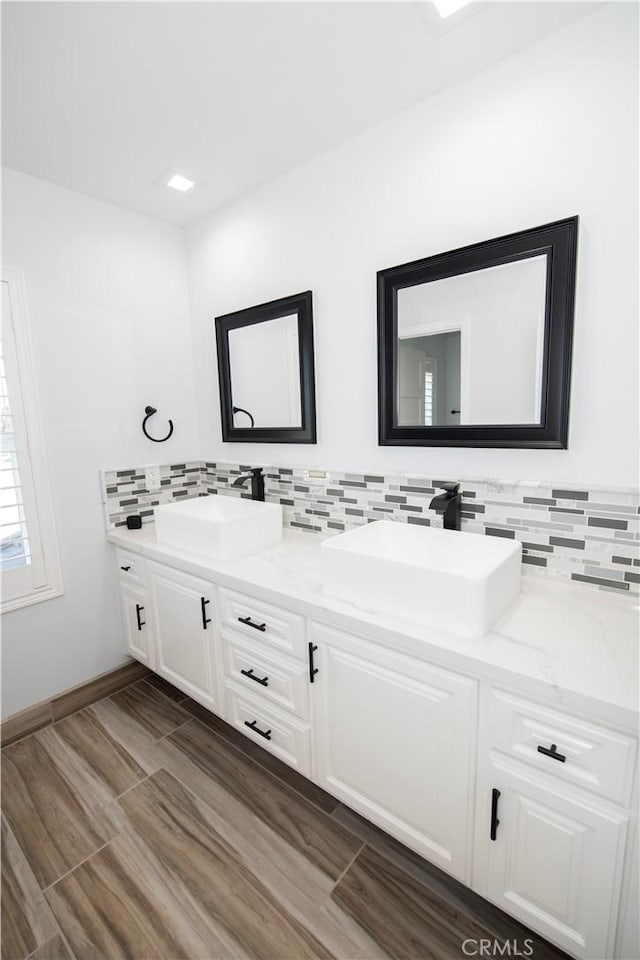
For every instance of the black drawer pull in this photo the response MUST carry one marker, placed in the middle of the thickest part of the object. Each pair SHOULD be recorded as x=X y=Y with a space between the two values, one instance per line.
x=263 y=681
x=126 y=569
x=249 y=622
x=312 y=669
x=495 y=796
x=203 y=607
x=256 y=729
x=552 y=752
x=139 y=610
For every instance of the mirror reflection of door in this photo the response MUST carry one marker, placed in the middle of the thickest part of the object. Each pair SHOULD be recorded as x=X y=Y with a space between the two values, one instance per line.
x=429 y=380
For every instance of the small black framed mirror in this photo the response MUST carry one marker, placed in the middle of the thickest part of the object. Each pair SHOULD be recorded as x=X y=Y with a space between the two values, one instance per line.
x=474 y=345
x=266 y=372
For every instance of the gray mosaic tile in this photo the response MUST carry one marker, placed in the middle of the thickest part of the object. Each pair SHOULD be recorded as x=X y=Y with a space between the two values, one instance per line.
x=538 y=561
x=599 y=580
x=570 y=494
x=420 y=491
x=563 y=531
x=606 y=509
x=591 y=570
x=544 y=525
x=608 y=522
x=567 y=542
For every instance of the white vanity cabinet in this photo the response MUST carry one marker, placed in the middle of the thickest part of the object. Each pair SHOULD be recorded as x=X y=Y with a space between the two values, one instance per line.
x=137 y=628
x=556 y=861
x=186 y=651
x=553 y=814
x=527 y=802
x=395 y=739
x=266 y=676
x=134 y=602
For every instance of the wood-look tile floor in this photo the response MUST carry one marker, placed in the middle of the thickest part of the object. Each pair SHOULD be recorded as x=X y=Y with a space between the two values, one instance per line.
x=144 y=827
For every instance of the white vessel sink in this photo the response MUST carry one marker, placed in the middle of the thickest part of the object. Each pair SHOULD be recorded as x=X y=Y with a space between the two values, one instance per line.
x=219 y=527
x=457 y=582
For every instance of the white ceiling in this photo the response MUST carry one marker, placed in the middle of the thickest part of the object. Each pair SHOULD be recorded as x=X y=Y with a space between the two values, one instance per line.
x=110 y=98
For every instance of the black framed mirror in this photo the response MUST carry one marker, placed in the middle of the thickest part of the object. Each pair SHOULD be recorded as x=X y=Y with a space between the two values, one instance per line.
x=266 y=372
x=474 y=345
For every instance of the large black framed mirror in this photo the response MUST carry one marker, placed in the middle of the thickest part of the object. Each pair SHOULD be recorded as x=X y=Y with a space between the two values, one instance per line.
x=474 y=345
x=266 y=372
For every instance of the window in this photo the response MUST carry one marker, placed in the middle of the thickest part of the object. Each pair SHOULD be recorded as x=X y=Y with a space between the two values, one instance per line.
x=429 y=383
x=29 y=563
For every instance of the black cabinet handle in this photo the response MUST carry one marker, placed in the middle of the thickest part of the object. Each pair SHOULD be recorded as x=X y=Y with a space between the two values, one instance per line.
x=312 y=670
x=552 y=752
x=249 y=623
x=126 y=569
x=139 y=610
x=495 y=796
x=263 y=681
x=203 y=608
x=256 y=729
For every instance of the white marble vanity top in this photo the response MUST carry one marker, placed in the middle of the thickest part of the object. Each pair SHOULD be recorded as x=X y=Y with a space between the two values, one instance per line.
x=565 y=643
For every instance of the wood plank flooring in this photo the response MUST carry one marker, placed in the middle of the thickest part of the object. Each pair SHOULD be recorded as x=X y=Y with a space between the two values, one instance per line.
x=43 y=714
x=30 y=921
x=133 y=829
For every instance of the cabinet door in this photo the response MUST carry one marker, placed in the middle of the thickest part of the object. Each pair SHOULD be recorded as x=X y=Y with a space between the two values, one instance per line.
x=395 y=740
x=137 y=627
x=556 y=860
x=184 y=625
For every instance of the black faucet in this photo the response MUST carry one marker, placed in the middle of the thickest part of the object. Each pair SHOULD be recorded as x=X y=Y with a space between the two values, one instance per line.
x=448 y=504
x=257 y=482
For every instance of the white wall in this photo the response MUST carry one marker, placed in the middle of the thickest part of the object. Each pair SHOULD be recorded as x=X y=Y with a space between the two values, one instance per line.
x=108 y=305
x=549 y=133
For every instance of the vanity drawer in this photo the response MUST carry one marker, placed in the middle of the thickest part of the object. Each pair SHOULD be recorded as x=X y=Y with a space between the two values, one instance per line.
x=263 y=623
x=595 y=758
x=130 y=567
x=281 y=735
x=259 y=671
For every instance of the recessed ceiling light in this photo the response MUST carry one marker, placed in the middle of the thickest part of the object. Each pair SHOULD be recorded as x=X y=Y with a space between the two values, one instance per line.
x=446 y=7
x=178 y=182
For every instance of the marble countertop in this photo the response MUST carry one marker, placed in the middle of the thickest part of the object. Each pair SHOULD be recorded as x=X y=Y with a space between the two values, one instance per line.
x=560 y=642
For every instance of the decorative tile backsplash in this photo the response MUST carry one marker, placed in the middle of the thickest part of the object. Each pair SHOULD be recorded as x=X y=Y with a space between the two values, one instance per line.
x=587 y=535
x=124 y=491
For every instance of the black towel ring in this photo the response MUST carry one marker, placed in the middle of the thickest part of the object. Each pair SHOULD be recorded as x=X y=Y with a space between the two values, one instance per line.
x=149 y=413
